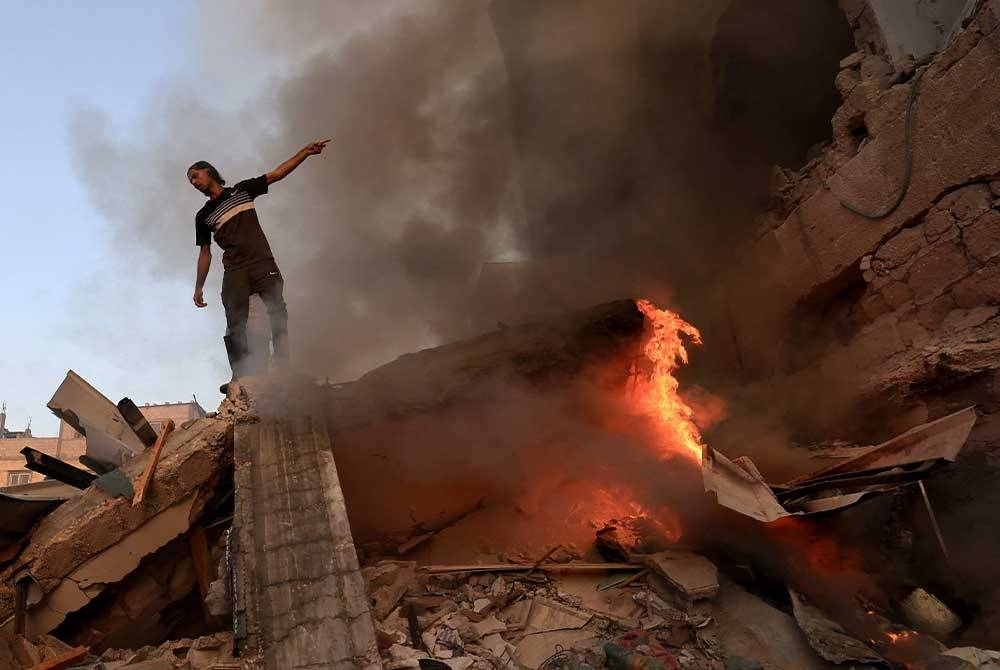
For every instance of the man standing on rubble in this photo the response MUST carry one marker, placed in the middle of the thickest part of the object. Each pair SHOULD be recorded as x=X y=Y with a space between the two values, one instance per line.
x=248 y=264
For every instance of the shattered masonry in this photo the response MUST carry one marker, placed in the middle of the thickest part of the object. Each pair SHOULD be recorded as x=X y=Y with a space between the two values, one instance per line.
x=891 y=316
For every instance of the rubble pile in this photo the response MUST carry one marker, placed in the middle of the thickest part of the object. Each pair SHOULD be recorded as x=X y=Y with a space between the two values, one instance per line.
x=123 y=556
x=225 y=542
x=519 y=617
x=573 y=616
x=211 y=652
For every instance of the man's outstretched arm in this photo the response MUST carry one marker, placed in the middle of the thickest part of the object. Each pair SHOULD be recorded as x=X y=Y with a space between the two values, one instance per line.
x=282 y=171
x=204 y=262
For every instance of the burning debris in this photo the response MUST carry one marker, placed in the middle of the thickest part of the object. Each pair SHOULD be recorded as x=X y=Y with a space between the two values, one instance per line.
x=903 y=460
x=178 y=541
x=547 y=496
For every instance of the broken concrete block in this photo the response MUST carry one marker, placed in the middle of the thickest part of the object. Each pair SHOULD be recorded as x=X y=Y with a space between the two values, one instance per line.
x=402 y=656
x=900 y=248
x=846 y=81
x=533 y=649
x=211 y=650
x=548 y=615
x=497 y=645
x=751 y=628
x=517 y=614
x=27 y=654
x=110 y=439
x=980 y=659
x=981 y=287
x=651 y=622
x=827 y=637
x=929 y=615
x=943 y=264
x=982 y=238
x=498 y=587
x=387 y=582
x=937 y=223
x=876 y=69
x=489 y=626
x=968 y=202
x=693 y=576
x=218 y=599
x=852 y=61
x=460 y=663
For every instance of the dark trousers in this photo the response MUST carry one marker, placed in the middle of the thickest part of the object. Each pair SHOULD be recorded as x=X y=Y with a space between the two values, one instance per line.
x=264 y=279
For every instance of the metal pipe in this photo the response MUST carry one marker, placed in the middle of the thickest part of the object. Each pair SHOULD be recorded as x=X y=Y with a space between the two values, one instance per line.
x=934 y=522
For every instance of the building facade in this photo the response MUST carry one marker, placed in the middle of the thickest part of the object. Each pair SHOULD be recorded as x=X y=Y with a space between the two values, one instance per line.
x=69 y=445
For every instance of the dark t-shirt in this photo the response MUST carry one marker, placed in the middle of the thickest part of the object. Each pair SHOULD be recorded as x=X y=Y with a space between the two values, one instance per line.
x=232 y=218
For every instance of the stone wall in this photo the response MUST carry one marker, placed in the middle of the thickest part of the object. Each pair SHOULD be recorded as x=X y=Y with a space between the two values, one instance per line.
x=892 y=305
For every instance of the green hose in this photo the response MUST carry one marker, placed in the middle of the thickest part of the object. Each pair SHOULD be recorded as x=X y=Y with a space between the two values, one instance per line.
x=907 y=163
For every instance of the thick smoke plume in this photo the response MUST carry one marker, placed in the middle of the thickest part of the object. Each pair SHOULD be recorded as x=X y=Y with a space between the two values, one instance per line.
x=576 y=138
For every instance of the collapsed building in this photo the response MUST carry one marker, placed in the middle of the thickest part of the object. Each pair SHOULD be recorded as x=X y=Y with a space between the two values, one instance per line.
x=514 y=500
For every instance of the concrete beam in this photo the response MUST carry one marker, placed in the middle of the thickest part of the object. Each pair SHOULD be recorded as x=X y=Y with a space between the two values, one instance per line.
x=300 y=600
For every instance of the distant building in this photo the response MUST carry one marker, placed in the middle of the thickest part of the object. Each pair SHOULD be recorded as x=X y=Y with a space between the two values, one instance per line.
x=69 y=445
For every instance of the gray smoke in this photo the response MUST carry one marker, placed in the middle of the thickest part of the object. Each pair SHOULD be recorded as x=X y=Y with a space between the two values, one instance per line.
x=577 y=138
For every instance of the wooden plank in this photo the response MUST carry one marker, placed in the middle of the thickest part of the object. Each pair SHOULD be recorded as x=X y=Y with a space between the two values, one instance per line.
x=546 y=567
x=202 y=565
x=154 y=458
x=64 y=660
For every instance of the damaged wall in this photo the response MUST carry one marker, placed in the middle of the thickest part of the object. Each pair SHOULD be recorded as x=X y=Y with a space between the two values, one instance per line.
x=858 y=327
x=95 y=539
x=845 y=302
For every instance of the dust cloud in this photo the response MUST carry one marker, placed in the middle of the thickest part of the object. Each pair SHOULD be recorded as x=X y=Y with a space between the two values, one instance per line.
x=491 y=161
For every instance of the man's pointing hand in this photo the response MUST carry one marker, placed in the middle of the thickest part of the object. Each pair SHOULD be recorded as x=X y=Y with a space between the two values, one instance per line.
x=314 y=148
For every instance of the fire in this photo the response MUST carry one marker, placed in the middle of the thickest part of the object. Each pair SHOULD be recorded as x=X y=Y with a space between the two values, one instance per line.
x=807 y=545
x=611 y=504
x=666 y=351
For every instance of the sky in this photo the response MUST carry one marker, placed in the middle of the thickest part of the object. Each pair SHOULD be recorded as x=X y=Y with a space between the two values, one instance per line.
x=108 y=102
x=60 y=274
x=381 y=240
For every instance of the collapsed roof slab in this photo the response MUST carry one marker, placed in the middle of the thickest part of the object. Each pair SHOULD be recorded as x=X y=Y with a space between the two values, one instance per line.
x=89 y=531
x=402 y=433
x=542 y=354
x=110 y=439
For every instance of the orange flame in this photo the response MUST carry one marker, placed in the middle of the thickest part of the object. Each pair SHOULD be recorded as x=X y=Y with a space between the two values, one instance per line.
x=666 y=351
x=897 y=637
x=616 y=504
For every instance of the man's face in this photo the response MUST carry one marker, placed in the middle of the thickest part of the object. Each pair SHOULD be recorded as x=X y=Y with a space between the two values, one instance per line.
x=200 y=180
